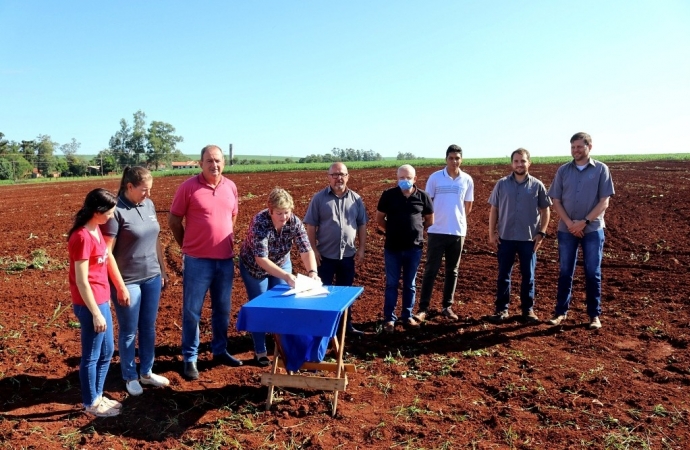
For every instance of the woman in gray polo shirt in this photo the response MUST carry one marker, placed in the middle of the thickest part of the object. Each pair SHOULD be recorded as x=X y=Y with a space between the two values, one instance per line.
x=132 y=236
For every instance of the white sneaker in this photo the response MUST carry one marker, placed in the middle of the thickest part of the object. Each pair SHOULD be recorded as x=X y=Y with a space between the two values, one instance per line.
x=133 y=387
x=102 y=409
x=155 y=380
x=112 y=403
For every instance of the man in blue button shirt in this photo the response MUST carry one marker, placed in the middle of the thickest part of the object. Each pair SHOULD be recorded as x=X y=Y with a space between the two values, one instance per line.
x=580 y=193
x=518 y=221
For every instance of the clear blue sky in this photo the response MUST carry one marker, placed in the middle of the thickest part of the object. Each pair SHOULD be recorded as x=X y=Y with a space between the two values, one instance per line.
x=295 y=78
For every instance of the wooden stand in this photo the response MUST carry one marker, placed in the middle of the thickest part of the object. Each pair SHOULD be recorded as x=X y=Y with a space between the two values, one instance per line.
x=307 y=381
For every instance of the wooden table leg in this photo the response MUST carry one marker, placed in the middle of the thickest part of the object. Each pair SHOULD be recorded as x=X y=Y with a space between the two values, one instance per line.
x=274 y=368
x=339 y=358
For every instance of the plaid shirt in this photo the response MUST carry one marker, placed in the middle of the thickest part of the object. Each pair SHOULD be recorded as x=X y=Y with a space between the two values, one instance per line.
x=264 y=241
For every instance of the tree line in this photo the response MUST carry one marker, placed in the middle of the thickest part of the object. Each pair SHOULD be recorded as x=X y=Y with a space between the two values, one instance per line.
x=152 y=146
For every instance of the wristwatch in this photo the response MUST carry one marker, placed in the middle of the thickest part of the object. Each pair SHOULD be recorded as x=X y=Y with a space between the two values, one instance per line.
x=587 y=221
x=541 y=233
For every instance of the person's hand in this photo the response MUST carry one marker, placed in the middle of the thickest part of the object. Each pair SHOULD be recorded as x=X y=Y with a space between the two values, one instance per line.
x=538 y=239
x=317 y=256
x=99 y=325
x=165 y=280
x=290 y=279
x=314 y=276
x=577 y=228
x=359 y=256
x=123 y=297
x=494 y=239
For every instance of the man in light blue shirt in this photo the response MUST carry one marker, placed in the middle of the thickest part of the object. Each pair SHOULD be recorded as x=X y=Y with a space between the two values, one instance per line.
x=580 y=193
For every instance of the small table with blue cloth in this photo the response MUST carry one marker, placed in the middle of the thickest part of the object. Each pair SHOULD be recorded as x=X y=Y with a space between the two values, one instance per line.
x=302 y=327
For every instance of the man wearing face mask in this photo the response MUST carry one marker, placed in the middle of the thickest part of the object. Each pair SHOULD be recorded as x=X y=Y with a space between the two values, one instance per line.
x=403 y=213
x=452 y=192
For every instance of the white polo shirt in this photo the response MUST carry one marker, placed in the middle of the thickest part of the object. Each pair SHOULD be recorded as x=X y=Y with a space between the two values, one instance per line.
x=449 y=196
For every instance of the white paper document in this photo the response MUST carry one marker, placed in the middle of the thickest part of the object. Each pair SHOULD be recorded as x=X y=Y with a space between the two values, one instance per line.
x=307 y=287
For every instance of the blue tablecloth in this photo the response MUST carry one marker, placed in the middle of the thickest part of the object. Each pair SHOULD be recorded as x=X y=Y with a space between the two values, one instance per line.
x=305 y=324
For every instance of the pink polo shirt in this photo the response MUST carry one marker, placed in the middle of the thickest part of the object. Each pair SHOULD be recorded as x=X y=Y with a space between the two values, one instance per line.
x=208 y=216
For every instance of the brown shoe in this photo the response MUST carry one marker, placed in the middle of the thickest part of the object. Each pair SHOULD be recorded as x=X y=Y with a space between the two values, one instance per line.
x=410 y=322
x=557 y=319
x=420 y=316
x=530 y=317
x=447 y=312
x=389 y=327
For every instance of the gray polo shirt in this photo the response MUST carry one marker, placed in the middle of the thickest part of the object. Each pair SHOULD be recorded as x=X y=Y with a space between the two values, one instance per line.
x=135 y=228
x=518 y=207
x=580 y=190
x=337 y=220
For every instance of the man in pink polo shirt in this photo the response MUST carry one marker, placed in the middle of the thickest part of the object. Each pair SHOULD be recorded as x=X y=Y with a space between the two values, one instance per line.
x=209 y=203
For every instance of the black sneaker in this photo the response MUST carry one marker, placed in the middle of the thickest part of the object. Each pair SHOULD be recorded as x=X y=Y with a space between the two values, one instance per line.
x=227 y=359
x=262 y=361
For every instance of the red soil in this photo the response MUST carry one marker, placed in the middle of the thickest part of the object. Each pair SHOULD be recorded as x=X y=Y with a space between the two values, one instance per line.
x=447 y=385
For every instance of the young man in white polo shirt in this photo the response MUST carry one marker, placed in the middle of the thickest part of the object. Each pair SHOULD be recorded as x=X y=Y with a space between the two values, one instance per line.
x=452 y=192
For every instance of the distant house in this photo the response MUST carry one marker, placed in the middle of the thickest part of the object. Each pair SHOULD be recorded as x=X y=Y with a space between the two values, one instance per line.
x=35 y=173
x=93 y=170
x=185 y=165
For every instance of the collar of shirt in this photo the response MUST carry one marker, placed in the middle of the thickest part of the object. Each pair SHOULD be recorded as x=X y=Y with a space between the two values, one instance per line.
x=129 y=205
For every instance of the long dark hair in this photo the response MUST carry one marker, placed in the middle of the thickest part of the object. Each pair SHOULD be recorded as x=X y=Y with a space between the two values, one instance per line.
x=135 y=175
x=99 y=200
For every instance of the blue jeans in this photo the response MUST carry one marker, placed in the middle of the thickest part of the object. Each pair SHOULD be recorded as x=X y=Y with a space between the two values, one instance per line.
x=140 y=316
x=438 y=247
x=96 y=352
x=396 y=261
x=528 y=262
x=199 y=276
x=256 y=287
x=343 y=271
x=592 y=253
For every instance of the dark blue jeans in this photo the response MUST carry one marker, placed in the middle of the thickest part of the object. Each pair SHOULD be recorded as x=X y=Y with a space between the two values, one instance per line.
x=528 y=262
x=96 y=352
x=592 y=253
x=407 y=262
x=199 y=276
x=338 y=272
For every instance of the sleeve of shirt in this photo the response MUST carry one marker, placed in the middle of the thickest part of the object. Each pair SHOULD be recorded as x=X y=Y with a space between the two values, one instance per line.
x=301 y=237
x=236 y=206
x=544 y=200
x=469 y=195
x=312 y=216
x=383 y=203
x=556 y=188
x=112 y=226
x=180 y=202
x=258 y=240
x=430 y=186
x=362 y=217
x=428 y=205
x=605 y=183
x=79 y=247
x=493 y=198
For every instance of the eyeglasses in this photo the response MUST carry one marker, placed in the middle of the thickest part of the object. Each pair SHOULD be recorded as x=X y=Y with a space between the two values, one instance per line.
x=337 y=175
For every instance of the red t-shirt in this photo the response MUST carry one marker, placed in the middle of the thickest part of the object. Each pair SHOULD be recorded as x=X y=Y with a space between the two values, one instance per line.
x=208 y=215
x=83 y=245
